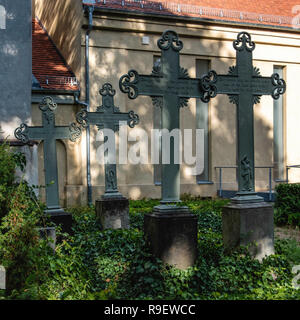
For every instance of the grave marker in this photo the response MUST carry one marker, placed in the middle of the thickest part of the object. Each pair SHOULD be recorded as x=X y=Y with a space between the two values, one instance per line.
x=49 y=133
x=245 y=86
x=170 y=88
x=170 y=230
x=247 y=220
x=112 y=209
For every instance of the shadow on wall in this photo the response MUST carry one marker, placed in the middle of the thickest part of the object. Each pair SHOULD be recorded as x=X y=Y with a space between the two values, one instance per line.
x=63 y=22
x=111 y=57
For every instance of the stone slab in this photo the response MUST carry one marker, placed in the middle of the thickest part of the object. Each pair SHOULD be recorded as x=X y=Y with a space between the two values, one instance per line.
x=171 y=233
x=113 y=213
x=249 y=224
x=2 y=278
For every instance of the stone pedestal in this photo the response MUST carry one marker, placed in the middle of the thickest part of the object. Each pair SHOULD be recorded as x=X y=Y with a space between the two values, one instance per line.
x=249 y=223
x=113 y=212
x=171 y=233
x=60 y=217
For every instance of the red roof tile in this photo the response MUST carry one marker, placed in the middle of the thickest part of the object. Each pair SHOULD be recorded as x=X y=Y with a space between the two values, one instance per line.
x=48 y=66
x=261 y=12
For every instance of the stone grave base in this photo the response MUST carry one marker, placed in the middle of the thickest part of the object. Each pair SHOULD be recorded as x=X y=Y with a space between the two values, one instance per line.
x=249 y=224
x=171 y=233
x=113 y=213
x=60 y=217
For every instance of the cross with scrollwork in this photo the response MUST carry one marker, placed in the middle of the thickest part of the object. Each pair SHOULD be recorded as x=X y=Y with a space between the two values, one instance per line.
x=170 y=88
x=245 y=86
x=49 y=133
x=108 y=116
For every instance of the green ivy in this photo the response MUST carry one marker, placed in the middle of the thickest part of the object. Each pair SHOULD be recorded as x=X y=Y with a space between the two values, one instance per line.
x=287 y=205
x=117 y=264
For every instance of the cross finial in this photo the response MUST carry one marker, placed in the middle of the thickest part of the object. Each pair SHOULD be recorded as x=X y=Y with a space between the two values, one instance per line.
x=47 y=104
x=243 y=42
x=107 y=89
x=170 y=39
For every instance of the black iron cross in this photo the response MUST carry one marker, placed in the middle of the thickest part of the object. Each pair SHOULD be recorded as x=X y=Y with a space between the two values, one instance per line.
x=108 y=116
x=170 y=88
x=49 y=133
x=245 y=86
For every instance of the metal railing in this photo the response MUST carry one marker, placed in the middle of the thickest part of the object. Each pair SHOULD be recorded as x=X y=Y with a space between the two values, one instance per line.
x=46 y=80
x=220 y=191
x=297 y=166
x=270 y=189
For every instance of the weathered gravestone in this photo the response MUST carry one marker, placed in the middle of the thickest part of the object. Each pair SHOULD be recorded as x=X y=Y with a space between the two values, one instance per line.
x=49 y=133
x=247 y=219
x=2 y=278
x=171 y=230
x=113 y=208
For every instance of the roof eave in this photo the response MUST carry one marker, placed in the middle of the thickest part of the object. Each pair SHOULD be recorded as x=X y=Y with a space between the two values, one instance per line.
x=172 y=17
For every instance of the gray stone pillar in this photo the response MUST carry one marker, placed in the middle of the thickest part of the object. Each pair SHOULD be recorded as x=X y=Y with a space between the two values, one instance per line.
x=249 y=224
x=171 y=233
x=113 y=212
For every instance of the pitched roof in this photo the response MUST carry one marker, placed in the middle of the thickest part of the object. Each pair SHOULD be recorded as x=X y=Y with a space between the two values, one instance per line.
x=279 y=13
x=49 y=68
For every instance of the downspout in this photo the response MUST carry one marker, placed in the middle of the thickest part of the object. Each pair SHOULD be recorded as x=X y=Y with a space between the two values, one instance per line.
x=86 y=104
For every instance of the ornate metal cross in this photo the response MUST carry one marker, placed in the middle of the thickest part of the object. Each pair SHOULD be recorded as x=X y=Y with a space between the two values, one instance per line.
x=170 y=88
x=49 y=133
x=108 y=116
x=245 y=86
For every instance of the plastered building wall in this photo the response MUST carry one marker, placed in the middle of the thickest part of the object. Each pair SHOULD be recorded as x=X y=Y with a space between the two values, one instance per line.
x=116 y=47
x=63 y=21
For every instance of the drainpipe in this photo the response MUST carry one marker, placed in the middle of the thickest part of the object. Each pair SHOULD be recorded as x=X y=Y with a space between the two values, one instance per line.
x=90 y=10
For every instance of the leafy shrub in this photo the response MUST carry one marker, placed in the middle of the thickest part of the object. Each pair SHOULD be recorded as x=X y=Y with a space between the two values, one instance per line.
x=290 y=249
x=9 y=162
x=19 y=236
x=287 y=204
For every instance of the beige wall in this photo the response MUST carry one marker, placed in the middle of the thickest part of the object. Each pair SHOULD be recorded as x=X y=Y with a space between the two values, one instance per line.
x=63 y=21
x=116 y=47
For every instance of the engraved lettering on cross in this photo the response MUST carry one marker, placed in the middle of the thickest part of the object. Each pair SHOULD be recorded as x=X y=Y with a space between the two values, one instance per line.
x=170 y=87
x=244 y=85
